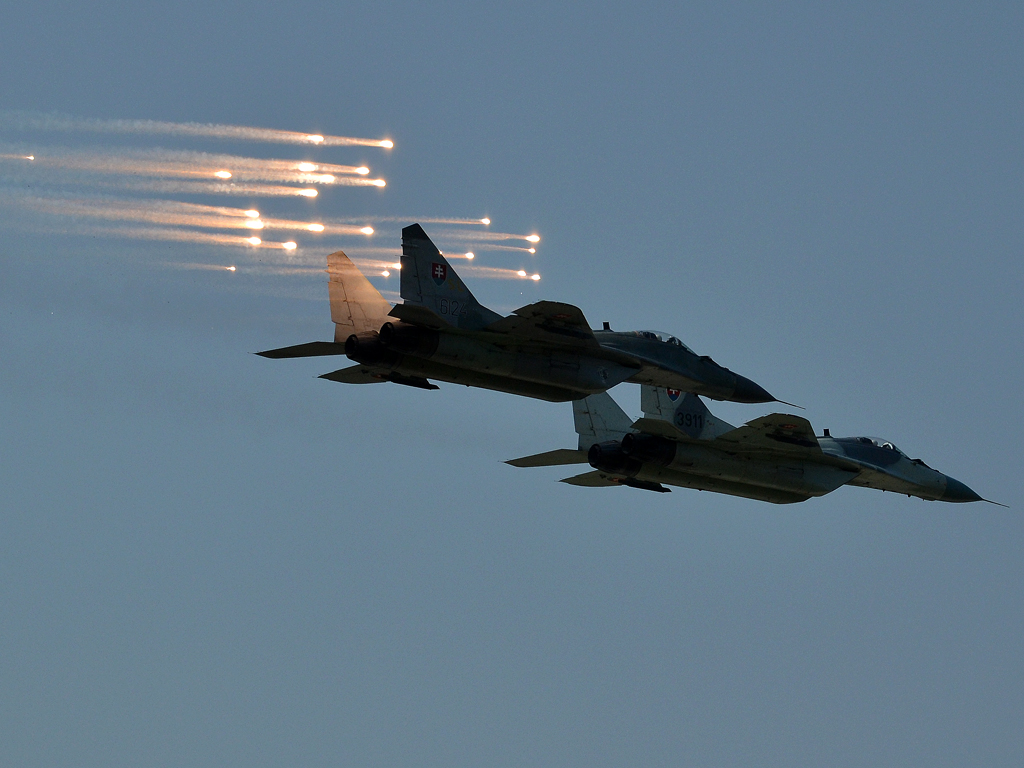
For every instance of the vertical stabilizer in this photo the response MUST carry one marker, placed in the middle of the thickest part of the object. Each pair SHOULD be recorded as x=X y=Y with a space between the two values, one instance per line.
x=429 y=280
x=599 y=418
x=684 y=410
x=356 y=306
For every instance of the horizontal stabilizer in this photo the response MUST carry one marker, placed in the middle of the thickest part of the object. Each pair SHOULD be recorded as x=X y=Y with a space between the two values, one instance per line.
x=311 y=349
x=660 y=428
x=554 y=458
x=357 y=374
x=417 y=315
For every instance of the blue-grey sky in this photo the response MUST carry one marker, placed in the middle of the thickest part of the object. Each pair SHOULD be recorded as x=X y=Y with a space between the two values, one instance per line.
x=212 y=559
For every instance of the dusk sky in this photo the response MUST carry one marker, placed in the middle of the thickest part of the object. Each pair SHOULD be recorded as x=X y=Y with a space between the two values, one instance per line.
x=208 y=558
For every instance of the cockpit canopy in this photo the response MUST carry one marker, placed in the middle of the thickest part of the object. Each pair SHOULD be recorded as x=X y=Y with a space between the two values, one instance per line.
x=665 y=338
x=879 y=443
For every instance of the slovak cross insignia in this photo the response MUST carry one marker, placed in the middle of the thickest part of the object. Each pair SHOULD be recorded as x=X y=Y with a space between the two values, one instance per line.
x=673 y=394
x=439 y=272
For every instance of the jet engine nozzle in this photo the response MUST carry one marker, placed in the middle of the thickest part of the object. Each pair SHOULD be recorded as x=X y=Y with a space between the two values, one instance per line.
x=408 y=338
x=610 y=457
x=650 y=448
x=366 y=348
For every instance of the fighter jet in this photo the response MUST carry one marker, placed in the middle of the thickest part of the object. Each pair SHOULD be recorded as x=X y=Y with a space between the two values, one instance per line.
x=775 y=458
x=546 y=350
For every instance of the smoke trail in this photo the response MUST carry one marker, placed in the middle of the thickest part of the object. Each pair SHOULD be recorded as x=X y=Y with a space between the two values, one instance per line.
x=468 y=255
x=394 y=255
x=494 y=247
x=184 y=214
x=377 y=265
x=213 y=188
x=334 y=229
x=194 y=265
x=119 y=208
x=308 y=167
x=387 y=253
x=486 y=236
x=194 y=165
x=189 y=236
x=153 y=213
x=303 y=291
x=101 y=163
x=393 y=267
x=288 y=271
x=190 y=187
x=55 y=122
x=178 y=205
x=499 y=273
x=431 y=220
x=176 y=235
x=176 y=213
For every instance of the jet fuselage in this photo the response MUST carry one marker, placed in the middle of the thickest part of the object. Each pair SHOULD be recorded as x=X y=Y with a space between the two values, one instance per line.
x=777 y=476
x=666 y=362
x=559 y=374
x=490 y=360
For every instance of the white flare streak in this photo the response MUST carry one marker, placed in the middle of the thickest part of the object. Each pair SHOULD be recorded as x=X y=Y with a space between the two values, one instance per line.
x=54 y=122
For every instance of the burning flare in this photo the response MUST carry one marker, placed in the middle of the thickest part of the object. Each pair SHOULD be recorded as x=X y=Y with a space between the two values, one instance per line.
x=43 y=122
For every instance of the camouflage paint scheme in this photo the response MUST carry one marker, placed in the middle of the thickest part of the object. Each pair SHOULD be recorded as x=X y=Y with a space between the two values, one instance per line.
x=544 y=350
x=775 y=458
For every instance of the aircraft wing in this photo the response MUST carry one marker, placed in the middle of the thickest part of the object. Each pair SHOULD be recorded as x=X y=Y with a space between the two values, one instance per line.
x=547 y=321
x=356 y=306
x=595 y=479
x=777 y=432
x=599 y=479
x=361 y=374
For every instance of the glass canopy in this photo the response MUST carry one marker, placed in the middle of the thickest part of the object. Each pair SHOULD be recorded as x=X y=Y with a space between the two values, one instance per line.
x=665 y=338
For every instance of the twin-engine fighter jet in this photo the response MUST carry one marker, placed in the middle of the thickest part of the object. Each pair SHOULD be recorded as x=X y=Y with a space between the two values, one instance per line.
x=545 y=350
x=775 y=458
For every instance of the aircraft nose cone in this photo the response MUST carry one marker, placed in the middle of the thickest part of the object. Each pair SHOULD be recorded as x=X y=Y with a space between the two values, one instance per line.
x=957 y=491
x=747 y=391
